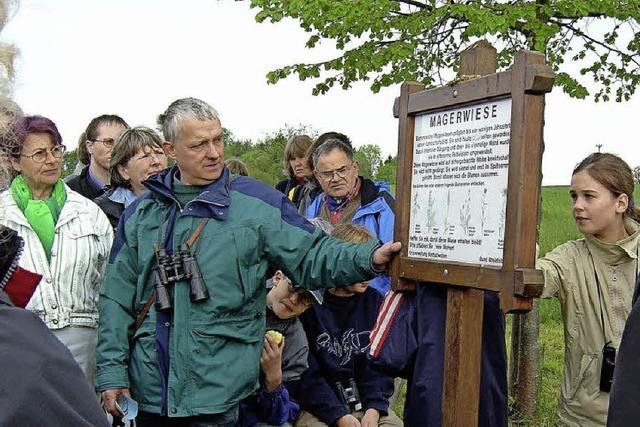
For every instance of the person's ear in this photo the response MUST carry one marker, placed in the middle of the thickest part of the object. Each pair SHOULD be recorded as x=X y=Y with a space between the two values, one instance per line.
x=122 y=170
x=89 y=145
x=622 y=203
x=356 y=166
x=15 y=163
x=277 y=278
x=169 y=150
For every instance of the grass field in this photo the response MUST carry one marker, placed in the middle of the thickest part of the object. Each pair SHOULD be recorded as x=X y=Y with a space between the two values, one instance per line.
x=556 y=227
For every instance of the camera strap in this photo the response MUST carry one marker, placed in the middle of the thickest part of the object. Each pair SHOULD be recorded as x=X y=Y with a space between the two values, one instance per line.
x=191 y=240
x=595 y=273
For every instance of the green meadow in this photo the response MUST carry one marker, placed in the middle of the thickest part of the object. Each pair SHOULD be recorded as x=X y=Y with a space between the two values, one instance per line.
x=556 y=227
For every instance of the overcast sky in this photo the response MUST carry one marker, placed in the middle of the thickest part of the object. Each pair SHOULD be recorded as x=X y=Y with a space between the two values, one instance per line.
x=82 y=58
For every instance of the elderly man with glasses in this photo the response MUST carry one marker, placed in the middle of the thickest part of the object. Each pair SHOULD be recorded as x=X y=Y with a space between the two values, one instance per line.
x=350 y=198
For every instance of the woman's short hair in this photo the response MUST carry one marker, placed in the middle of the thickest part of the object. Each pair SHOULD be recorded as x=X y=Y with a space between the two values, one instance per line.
x=297 y=146
x=614 y=174
x=237 y=166
x=83 y=153
x=130 y=142
x=91 y=133
x=23 y=127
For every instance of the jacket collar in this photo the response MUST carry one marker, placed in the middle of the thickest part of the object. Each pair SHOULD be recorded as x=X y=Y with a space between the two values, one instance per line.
x=212 y=202
x=368 y=191
x=615 y=253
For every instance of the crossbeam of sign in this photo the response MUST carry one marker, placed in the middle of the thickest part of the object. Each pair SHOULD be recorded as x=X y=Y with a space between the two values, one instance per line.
x=467 y=201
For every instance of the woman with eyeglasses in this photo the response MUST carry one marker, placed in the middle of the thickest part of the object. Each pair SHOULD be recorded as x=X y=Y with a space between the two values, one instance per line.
x=137 y=154
x=66 y=237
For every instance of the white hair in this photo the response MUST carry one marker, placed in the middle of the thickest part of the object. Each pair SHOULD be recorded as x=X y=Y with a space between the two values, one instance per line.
x=170 y=122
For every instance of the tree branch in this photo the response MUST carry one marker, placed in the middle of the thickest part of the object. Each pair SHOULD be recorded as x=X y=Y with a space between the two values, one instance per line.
x=575 y=18
x=415 y=3
x=599 y=43
x=398 y=13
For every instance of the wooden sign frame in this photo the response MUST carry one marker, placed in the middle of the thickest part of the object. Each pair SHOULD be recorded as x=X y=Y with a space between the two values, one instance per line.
x=526 y=83
x=517 y=281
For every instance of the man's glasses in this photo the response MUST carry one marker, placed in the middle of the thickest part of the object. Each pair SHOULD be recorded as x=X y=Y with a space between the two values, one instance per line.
x=302 y=295
x=40 y=156
x=340 y=173
x=108 y=142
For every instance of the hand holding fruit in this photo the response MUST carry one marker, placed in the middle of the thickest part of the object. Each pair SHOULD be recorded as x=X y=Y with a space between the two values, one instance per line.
x=271 y=359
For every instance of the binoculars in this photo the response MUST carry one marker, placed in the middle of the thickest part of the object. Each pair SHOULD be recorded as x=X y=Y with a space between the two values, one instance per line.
x=169 y=269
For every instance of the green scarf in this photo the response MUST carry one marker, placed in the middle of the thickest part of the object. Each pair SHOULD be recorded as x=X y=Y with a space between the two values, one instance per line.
x=42 y=215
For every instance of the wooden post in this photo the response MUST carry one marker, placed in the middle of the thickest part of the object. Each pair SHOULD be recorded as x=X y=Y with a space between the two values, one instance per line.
x=524 y=376
x=463 y=347
x=528 y=119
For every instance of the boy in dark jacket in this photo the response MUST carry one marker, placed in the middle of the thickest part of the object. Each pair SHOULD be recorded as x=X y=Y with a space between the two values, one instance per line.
x=284 y=356
x=408 y=341
x=340 y=387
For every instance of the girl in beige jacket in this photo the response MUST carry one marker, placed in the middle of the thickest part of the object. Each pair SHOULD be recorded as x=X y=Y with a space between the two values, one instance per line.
x=594 y=278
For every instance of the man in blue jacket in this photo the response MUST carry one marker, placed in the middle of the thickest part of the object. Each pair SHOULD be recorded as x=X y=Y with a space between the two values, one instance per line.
x=349 y=198
x=199 y=245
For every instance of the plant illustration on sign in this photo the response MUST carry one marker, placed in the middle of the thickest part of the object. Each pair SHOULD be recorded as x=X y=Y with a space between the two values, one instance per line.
x=416 y=206
x=465 y=213
x=483 y=210
x=431 y=212
x=445 y=227
x=503 y=213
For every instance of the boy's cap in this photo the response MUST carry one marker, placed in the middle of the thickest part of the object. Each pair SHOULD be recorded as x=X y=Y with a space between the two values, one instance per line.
x=317 y=294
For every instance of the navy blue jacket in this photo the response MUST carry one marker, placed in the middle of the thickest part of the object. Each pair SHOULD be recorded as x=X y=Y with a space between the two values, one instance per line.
x=624 y=402
x=408 y=341
x=338 y=334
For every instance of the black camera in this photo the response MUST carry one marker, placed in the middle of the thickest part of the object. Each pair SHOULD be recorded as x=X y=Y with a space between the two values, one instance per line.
x=608 y=366
x=169 y=269
x=349 y=395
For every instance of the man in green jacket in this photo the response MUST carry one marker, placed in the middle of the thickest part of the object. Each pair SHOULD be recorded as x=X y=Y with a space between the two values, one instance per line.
x=195 y=355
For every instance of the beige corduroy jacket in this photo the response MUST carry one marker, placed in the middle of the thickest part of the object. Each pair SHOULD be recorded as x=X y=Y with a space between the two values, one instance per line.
x=570 y=276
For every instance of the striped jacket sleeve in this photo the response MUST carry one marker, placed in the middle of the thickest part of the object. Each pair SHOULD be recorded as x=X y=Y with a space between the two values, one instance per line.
x=394 y=339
